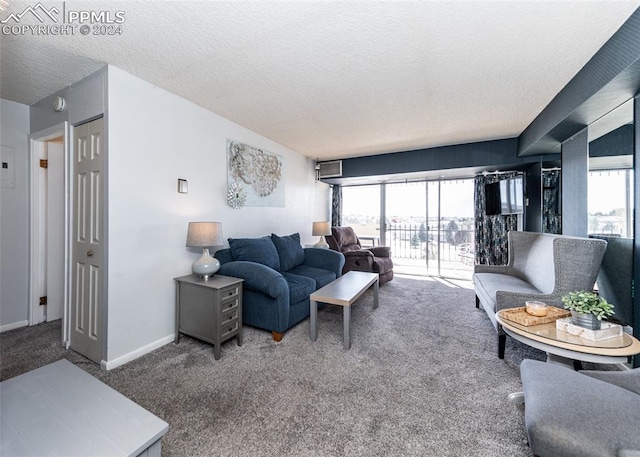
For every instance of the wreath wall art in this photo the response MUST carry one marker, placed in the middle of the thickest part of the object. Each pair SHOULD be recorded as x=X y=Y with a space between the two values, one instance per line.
x=257 y=173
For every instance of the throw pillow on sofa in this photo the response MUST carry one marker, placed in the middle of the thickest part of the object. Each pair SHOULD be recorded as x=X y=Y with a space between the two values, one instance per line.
x=289 y=250
x=259 y=250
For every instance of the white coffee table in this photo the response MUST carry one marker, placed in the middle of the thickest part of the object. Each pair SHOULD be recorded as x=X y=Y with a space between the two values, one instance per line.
x=61 y=410
x=344 y=291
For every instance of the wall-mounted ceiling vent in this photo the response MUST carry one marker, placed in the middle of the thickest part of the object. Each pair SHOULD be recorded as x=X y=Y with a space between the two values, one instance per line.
x=330 y=169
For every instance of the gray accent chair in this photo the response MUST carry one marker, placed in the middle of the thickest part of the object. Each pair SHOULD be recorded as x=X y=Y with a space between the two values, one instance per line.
x=541 y=267
x=581 y=414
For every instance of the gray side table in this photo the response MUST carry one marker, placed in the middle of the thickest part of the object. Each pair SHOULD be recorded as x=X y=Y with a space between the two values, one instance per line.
x=210 y=310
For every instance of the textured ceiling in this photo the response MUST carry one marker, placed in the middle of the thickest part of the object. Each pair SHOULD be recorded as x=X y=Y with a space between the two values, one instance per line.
x=334 y=79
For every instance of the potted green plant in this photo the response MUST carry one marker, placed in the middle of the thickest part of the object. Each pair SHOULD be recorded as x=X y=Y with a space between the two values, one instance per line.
x=587 y=308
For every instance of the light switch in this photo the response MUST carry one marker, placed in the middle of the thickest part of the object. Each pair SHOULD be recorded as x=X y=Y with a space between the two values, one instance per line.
x=8 y=168
x=183 y=186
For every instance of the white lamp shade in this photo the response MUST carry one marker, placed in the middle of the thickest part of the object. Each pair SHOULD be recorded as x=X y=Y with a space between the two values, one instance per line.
x=204 y=234
x=321 y=228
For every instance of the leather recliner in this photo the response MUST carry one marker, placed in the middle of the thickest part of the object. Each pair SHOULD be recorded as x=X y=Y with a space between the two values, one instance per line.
x=376 y=259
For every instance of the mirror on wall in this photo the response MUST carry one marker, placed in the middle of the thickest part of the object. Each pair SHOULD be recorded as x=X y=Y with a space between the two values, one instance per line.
x=610 y=205
x=610 y=185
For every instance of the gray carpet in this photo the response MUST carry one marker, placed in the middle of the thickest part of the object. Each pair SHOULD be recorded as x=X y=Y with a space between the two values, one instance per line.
x=421 y=379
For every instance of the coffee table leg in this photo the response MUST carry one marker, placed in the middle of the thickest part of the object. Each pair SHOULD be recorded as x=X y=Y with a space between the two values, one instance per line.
x=376 y=287
x=557 y=359
x=346 y=316
x=313 y=311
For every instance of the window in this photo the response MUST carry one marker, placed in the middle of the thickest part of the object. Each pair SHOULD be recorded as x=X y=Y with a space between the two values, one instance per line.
x=609 y=203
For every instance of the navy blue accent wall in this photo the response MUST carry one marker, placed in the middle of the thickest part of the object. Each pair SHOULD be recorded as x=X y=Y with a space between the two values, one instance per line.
x=617 y=143
x=487 y=155
x=575 y=170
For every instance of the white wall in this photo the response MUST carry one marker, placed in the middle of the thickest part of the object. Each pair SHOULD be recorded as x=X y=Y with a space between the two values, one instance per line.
x=154 y=138
x=14 y=219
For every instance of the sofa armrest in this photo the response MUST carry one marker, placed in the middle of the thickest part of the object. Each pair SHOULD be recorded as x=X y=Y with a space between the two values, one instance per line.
x=498 y=269
x=257 y=277
x=506 y=299
x=380 y=251
x=324 y=259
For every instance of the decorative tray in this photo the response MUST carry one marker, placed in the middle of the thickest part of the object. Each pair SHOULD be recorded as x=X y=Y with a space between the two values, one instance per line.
x=520 y=316
x=608 y=330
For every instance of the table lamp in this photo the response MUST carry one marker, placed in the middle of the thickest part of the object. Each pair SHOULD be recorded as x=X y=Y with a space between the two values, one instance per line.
x=321 y=229
x=205 y=234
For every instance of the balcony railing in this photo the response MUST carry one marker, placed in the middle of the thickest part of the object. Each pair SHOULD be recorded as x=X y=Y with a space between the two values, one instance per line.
x=447 y=252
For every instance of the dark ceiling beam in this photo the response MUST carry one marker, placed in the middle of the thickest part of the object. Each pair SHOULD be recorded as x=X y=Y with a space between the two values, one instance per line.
x=610 y=78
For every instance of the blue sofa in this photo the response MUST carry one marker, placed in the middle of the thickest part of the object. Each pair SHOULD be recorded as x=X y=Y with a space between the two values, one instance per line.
x=279 y=275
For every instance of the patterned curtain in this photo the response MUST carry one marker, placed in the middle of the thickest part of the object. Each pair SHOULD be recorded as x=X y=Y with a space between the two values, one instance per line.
x=551 y=214
x=336 y=206
x=491 y=244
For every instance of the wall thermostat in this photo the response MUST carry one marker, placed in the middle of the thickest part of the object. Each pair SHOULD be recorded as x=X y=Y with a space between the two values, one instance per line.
x=58 y=104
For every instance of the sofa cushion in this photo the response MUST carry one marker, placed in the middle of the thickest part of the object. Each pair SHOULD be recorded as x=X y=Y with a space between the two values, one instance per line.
x=289 y=250
x=487 y=284
x=300 y=287
x=259 y=250
x=321 y=277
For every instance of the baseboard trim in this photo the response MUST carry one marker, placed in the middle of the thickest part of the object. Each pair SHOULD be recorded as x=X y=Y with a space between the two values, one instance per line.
x=119 y=361
x=15 y=325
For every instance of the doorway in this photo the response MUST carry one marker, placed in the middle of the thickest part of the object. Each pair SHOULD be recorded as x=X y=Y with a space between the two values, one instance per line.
x=49 y=247
x=66 y=234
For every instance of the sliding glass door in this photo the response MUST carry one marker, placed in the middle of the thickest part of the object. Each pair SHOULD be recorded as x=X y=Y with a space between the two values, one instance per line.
x=456 y=222
x=407 y=232
x=429 y=225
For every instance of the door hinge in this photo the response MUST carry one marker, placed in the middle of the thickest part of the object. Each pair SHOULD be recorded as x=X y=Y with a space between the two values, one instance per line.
x=44 y=163
x=43 y=301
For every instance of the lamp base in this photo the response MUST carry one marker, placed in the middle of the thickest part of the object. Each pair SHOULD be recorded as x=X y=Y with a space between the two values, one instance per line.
x=321 y=244
x=205 y=266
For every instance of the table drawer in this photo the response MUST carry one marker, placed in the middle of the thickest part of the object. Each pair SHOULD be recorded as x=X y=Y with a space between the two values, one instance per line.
x=229 y=293
x=229 y=316
x=228 y=330
x=229 y=306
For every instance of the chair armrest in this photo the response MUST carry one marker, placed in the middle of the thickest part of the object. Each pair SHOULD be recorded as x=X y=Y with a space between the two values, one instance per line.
x=359 y=260
x=325 y=259
x=380 y=251
x=257 y=277
x=356 y=254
